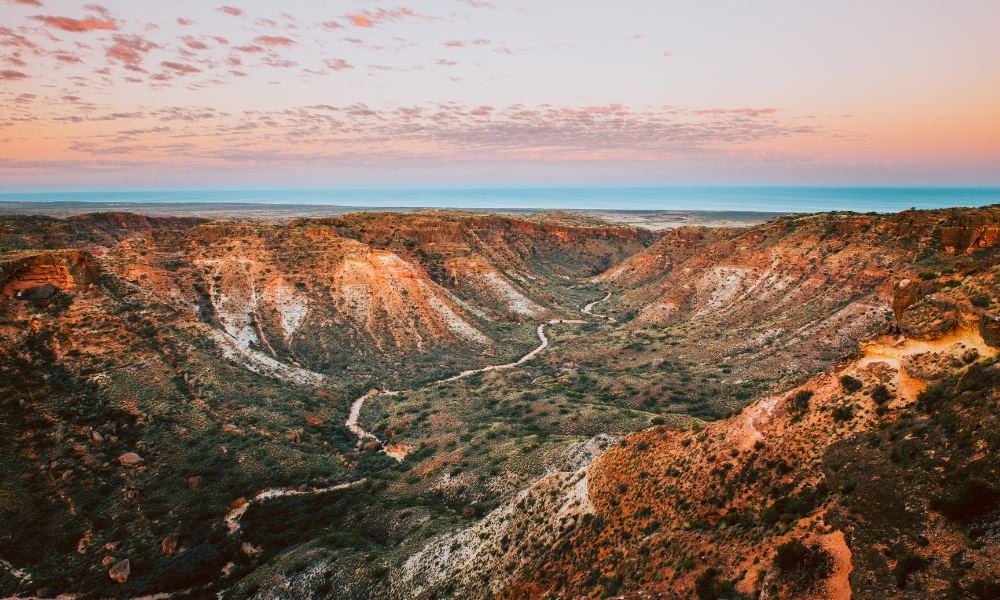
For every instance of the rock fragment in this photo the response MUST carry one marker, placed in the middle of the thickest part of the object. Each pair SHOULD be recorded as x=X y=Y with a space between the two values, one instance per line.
x=130 y=459
x=120 y=571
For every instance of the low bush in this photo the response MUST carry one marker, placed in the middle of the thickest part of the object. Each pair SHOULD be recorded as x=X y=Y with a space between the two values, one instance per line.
x=850 y=384
x=881 y=394
x=983 y=589
x=802 y=398
x=907 y=564
x=803 y=566
x=844 y=412
x=971 y=499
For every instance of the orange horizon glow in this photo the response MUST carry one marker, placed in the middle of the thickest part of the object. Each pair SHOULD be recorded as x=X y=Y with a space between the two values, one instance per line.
x=157 y=91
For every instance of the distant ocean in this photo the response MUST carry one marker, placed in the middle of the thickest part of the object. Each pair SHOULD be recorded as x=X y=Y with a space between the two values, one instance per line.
x=773 y=199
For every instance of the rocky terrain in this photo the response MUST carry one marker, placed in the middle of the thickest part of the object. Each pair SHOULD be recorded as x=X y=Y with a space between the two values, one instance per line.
x=804 y=408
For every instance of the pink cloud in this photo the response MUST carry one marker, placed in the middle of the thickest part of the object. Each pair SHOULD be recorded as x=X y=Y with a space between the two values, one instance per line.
x=66 y=57
x=360 y=20
x=229 y=10
x=368 y=18
x=750 y=112
x=332 y=25
x=249 y=48
x=184 y=22
x=89 y=23
x=129 y=49
x=445 y=63
x=455 y=44
x=14 y=40
x=220 y=40
x=475 y=4
x=27 y=2
x=337 y=64
x=179 y=68
x=283 y=64
x=192 y=42
x=8 y=75
x=273 y=40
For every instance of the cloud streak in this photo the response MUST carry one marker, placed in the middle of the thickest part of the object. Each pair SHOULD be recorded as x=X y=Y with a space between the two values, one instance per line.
x=88 y=23
x=326 y=134
x=129 y=50
x=369 y=18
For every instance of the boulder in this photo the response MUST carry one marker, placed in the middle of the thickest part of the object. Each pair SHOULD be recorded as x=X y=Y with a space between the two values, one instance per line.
x=120 y=571
x=169 y=544
x=373 y=445
x=130 y=459
x=108 y=560
x=39 y=292
x=112 y=546
x=927 y=320
x=196 y=483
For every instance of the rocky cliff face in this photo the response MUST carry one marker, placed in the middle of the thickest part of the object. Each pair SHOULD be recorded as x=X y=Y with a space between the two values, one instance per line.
x=64 y=270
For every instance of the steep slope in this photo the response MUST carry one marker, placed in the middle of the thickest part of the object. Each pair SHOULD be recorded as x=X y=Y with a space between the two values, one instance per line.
x=793 y=294
x=876 y=479
x=156 y=371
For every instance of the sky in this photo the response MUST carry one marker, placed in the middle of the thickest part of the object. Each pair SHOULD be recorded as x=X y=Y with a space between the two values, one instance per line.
x=185 y=94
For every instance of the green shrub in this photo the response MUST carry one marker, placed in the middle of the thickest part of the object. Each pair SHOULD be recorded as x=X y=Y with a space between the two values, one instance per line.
x=908 y=563
x=844 y=412
x=881 y=394
x=704 y=584
x=803 y=566
x=970 y=500
x=984 y=589
x=802 y=398
x=851 y=384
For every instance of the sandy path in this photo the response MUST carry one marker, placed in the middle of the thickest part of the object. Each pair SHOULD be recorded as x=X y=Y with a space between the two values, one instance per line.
x=355 y=414
x=233 y=517
x=396 y=452
x=838 y=586
x=590 y=307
